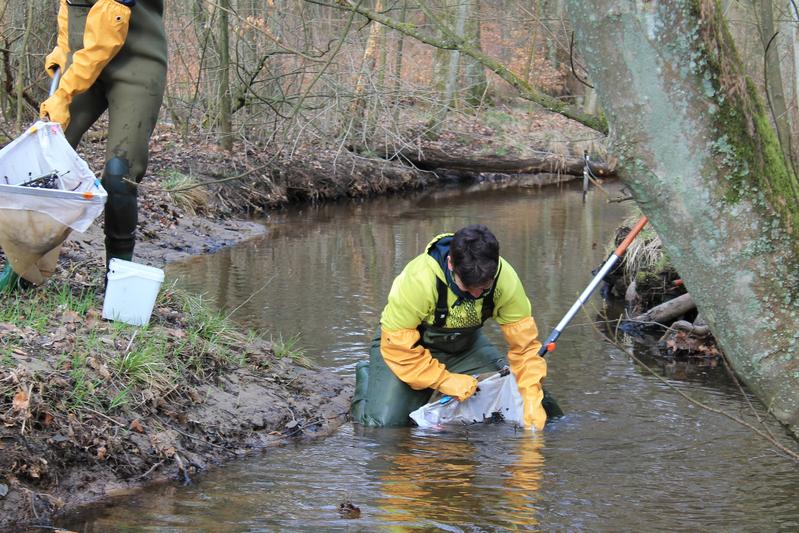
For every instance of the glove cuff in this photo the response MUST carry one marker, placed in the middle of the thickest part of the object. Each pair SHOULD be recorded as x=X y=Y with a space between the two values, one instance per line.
x=64 y=95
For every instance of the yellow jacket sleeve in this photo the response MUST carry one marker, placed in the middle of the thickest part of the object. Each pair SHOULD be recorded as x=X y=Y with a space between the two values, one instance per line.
x=528 y=368
x=413 y=364
x=105 y=33
x=58 y=57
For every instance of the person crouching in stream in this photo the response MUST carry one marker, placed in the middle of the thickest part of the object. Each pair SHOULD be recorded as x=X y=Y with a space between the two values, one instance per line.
x=430 y=336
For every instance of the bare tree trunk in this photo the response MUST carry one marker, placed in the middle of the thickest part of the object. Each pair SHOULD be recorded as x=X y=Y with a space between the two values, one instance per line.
x=22 y=64
x=453 y=66
x=533 y=50
x=203 y=30
x=366 y=71
x=398 y=63
x=225 y=129
x=696 y=149
x=453 y=69
x=553 y=14
x=476 y=81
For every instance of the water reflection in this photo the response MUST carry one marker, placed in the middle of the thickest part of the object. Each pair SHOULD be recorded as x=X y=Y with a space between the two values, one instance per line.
x=435 y=477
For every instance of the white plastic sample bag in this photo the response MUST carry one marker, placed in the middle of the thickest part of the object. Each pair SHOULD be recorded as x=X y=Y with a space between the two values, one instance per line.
x=497 y=400
x=35 y=221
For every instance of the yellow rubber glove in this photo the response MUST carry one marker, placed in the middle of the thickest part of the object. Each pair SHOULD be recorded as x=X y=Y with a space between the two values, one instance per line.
x=528 y=368
x=56 y=108
x=458 y=386
x=105 y=33
x=412 y=363
x=58 y=57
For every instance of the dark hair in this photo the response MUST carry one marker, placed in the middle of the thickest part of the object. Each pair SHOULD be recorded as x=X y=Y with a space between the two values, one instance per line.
x=475 y=255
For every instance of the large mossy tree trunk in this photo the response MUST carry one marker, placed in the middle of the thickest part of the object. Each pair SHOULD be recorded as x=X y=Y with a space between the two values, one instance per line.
x=696 y=148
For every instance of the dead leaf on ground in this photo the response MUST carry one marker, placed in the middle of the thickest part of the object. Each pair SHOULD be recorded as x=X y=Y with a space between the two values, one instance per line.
x=177 y=333
x=136 y=426
x=21 y=401
x=100 y=368
x=71 y=317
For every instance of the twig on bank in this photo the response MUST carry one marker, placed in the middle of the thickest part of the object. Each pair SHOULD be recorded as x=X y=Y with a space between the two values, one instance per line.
x=98 y=413
x=213 y=182
x=149 y=471
x=130 y=343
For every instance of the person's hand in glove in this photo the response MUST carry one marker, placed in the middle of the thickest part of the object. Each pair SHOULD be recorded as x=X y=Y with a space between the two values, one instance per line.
x=528 y=368
x=55 y=60
x=458 y=386
x=56 y=108
x=535 y=416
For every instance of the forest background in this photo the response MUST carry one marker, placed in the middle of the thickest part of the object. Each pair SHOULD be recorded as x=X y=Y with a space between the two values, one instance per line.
x=282 y=75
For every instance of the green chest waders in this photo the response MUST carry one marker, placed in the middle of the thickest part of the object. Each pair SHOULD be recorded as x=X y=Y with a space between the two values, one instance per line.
x=382 y=399
x=131 y=88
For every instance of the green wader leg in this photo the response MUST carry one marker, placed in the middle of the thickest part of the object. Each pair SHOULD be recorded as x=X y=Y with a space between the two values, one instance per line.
x=135 y=91
x=131 y=87
x=121 y=210
x=9 y=280
x=387 y=401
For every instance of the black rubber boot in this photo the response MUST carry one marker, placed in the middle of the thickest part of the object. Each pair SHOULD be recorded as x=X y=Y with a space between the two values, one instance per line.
x=121 y=210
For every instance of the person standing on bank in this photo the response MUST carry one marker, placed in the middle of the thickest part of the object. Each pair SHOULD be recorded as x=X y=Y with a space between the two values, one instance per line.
x=430 y=334
x=112 y=55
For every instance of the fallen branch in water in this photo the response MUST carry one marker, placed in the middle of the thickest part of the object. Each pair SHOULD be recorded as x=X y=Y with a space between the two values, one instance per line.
x=667 y=311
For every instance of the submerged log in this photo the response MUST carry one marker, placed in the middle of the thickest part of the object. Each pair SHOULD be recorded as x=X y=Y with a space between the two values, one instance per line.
x=692 y=328
x=668 y=311
x=431 y=158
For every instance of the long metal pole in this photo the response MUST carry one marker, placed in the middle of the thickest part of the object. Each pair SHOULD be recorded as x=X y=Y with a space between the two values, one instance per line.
x=55 y=80
x=549 y=344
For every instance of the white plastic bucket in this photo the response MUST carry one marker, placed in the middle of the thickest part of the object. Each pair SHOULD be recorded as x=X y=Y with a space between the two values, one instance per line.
x=131 y=292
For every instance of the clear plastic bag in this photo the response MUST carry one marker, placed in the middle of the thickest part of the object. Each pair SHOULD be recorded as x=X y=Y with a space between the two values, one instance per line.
x=496 y=400
x=34 y=221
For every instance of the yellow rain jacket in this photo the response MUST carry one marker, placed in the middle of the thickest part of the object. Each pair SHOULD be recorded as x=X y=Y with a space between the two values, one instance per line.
x=104 y=34
x=412 y=303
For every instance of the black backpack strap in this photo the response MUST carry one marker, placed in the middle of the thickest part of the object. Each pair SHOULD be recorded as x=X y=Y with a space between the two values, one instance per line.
x=488 y=299
x=442 y=309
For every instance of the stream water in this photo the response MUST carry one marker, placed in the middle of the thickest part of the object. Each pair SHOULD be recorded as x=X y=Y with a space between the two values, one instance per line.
x=631 y=454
